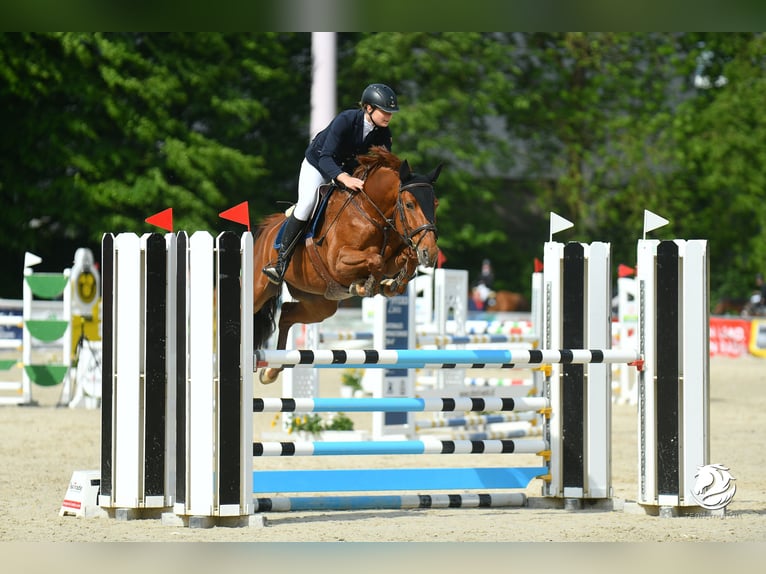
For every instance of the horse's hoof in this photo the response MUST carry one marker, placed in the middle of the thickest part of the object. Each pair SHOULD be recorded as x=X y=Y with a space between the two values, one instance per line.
x=268 y=376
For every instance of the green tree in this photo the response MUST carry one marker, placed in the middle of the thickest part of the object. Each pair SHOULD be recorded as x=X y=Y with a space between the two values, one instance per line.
x=718 y=188
x=103 y=130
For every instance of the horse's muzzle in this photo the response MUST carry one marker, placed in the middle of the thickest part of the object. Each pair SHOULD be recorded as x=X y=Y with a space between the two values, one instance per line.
x=425 y=259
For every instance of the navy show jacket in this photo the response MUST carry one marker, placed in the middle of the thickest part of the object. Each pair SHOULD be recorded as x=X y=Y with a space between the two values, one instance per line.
x=335 y=148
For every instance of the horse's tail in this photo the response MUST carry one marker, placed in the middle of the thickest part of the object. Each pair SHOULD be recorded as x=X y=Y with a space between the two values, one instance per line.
x=263 y=323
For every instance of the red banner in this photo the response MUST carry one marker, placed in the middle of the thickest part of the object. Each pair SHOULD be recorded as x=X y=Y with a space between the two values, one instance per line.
x=729 y=337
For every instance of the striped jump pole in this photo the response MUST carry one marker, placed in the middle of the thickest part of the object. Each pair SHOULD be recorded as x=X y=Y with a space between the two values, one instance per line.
x=440 y=358
x=390 y=502
x=399 y=447
x=476 y=420
x=519 y=432
x=398 y=404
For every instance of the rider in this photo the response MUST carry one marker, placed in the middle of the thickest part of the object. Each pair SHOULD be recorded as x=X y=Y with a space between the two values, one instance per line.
x=331 y=156
x=485 y=284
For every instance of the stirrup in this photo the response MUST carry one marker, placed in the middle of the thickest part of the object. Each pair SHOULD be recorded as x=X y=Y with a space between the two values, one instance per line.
x=273 y=274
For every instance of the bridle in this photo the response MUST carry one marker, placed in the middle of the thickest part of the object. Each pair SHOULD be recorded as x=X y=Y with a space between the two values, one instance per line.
x=388 y=224
x=409 y=235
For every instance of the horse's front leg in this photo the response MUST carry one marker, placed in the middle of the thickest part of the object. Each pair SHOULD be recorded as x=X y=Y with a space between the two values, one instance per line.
x=361 y=269
x=407 y=263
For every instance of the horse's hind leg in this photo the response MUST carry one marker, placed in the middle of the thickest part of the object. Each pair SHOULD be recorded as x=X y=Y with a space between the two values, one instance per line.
x=311 y=309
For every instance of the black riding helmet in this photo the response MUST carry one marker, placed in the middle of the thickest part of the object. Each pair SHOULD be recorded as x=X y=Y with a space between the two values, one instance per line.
x=380 y=96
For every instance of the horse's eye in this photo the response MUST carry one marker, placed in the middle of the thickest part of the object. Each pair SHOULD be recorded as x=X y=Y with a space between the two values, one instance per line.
x=410 y=205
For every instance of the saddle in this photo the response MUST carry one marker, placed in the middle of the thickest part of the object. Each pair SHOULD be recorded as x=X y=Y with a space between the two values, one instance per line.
x=325 y=191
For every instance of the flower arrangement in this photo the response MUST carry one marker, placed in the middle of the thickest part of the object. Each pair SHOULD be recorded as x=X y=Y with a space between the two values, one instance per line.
x=314 y=424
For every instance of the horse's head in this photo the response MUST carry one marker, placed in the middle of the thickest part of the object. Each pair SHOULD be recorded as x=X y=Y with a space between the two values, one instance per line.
x=416 y=205
x=406 y=198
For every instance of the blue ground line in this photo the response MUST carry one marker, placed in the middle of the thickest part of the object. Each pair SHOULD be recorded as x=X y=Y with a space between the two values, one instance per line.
x=389 y=479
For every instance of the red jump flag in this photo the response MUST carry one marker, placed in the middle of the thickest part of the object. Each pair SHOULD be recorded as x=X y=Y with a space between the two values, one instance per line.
x=538 y=265
x=625 y=271
x=239 y=214
x=163 y=219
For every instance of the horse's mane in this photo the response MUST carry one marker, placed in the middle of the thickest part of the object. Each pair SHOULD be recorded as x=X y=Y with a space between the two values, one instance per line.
x=377 y=157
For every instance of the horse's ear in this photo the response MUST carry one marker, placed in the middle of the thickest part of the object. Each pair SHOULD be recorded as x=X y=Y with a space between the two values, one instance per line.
x=434 y=175
x=405 y=173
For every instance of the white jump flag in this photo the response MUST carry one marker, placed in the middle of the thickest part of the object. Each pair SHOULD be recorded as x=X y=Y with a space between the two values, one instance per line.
x=653 y=221
x=558 y=223
x=30 y=259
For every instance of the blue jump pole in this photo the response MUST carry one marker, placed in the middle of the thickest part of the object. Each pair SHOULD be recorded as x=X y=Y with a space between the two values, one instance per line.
x=394 y=479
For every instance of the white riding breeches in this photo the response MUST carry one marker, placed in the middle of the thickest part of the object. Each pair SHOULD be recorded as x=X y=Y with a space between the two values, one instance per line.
x=308 y=183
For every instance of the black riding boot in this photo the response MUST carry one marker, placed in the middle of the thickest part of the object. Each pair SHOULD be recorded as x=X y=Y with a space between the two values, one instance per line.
x=292 y=233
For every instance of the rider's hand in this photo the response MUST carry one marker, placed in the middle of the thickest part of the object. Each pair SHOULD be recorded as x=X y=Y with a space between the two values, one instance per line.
x=350 y=182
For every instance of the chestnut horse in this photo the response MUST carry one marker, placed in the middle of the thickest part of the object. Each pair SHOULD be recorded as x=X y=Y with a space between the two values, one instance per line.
x=364 y=243
x=508 y=301
x=500 y=301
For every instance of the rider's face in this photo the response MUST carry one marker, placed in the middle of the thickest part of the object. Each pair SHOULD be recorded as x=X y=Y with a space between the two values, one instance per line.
x=379 y=117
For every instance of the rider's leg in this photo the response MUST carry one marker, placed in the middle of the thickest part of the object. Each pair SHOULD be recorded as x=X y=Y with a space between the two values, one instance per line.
x=290 y=236
x=308 y=191
x=308 y=182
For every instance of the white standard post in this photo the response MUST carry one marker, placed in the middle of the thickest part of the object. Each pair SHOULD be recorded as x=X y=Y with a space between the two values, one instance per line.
x=673 y=389
x=26 y=339
x=598 y=475
x=577 y=304
x=200 y=383
x=127 y=455
x=247 y=372
x=219 y=374
x=696 y=363
x=538 y=325
x=451 y=303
